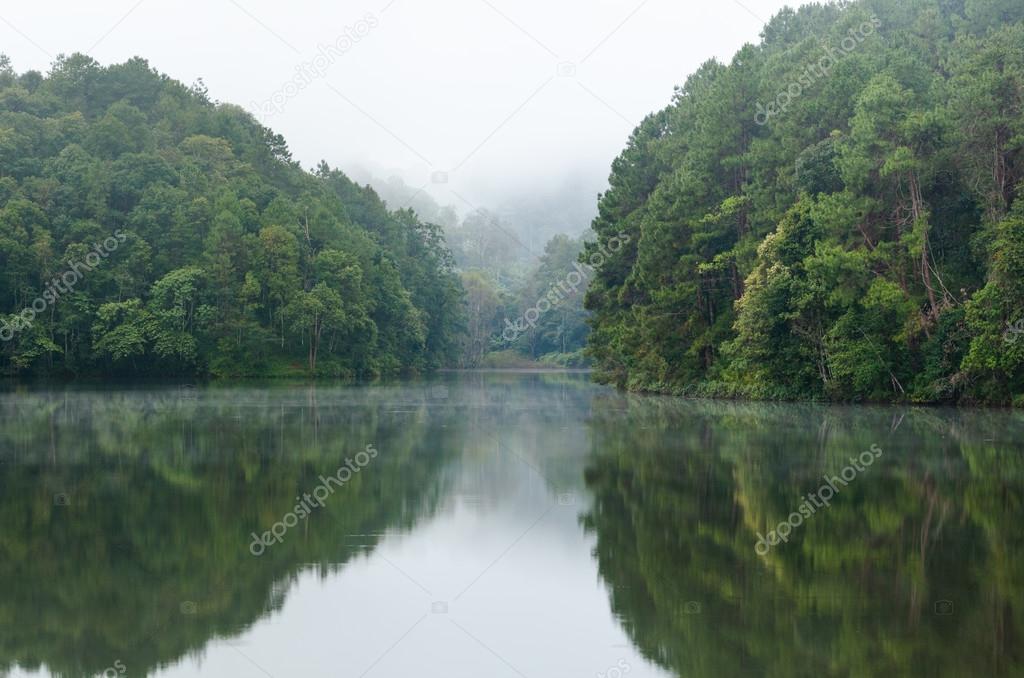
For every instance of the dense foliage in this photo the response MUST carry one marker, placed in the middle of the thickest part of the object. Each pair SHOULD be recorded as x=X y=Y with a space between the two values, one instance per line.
x=834 y=214
x=147 y=230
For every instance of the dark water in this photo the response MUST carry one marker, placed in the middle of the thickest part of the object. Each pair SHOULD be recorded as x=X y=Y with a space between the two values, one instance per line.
x=507 y=525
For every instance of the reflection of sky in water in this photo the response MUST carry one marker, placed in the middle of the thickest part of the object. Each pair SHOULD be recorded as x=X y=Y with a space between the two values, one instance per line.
x=515 y=575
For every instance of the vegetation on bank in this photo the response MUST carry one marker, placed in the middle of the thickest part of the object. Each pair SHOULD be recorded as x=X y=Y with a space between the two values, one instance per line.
x=147 y=230
x=834 y=214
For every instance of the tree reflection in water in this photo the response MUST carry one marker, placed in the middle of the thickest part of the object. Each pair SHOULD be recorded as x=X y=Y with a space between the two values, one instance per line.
x=127 y=516
x=916 y=569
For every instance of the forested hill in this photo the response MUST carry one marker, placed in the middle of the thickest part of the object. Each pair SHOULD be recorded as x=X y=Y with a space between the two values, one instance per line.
x=145 y=229
x=834 y=214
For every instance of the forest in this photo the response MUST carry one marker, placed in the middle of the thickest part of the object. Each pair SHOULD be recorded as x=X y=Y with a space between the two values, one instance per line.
x=147 y=230
x=834 y=214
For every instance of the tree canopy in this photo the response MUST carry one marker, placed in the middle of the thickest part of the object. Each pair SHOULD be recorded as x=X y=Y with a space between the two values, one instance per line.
x=223 y=255
x=833 y=214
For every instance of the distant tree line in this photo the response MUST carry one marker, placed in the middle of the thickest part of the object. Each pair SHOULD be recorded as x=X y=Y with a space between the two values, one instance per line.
x=532 y=317
x=524 y=301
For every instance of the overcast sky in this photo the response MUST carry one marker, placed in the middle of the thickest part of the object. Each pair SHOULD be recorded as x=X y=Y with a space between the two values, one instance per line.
x=504 y=96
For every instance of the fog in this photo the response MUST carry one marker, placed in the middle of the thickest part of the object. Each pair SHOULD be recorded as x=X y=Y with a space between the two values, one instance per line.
x=479 y=103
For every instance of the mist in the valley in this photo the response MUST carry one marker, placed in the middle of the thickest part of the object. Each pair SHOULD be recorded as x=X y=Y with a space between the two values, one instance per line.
x=532 y=214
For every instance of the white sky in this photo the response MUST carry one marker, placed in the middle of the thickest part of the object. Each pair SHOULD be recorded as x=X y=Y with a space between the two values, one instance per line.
x=467 y=87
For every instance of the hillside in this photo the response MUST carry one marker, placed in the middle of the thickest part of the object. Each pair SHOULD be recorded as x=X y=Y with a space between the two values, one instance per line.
x=834 y=214
x=146 y=230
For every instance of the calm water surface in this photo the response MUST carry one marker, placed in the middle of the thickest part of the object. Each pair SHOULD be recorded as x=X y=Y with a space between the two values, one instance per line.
x=529 y=525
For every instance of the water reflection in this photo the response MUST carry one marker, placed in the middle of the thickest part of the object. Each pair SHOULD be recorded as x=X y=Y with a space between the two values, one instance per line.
x=916 y=568
x=123 y=512
x=531 y=525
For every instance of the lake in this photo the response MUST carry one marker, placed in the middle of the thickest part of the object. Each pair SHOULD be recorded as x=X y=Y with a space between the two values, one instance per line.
x=503 y=524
